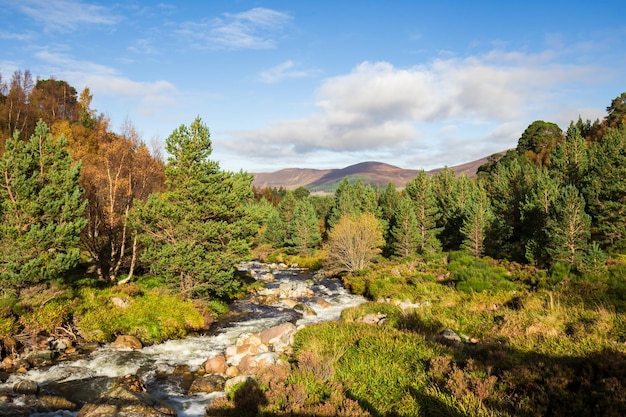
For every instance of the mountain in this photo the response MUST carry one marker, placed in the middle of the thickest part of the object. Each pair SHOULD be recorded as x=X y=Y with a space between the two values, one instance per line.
x=373 y=173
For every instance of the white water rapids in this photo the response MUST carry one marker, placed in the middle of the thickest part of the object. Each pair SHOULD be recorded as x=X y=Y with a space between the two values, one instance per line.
x=95 y=373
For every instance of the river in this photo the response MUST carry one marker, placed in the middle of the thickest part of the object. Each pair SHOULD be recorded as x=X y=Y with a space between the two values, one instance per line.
x=86 y=378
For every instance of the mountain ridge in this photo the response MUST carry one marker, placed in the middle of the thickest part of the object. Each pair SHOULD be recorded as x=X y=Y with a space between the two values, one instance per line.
x=370 y=172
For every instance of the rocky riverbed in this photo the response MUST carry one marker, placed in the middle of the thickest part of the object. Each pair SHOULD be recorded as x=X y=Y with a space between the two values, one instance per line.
x=179 y=377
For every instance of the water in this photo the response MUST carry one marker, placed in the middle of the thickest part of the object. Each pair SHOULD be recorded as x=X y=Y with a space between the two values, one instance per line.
x=86 y=378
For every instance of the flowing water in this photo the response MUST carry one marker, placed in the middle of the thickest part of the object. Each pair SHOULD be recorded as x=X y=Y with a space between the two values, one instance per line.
x=86 y=378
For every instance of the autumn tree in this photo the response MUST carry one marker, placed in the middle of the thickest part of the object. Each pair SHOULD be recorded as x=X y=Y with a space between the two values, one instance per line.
x=197 y=230
x=41 y=209
x=537 y=141
x=354 y=241
x=119 y=170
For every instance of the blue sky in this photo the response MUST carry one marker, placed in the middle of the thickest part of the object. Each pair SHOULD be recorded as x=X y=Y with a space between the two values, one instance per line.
x=326 y=84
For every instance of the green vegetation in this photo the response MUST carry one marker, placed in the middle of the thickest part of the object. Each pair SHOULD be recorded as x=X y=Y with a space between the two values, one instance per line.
x=524 y=263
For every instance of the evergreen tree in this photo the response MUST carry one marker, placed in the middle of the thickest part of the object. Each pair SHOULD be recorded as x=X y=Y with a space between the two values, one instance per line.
x=201 y=226
x=353 y=199
x=477 y=222
x=568 y=229
x=419 y=190
x=41 y=211
x=274 y=231
x=535 y=216
x=304 y=230
x=570 y=160
x=604 y=190
x=405 y=233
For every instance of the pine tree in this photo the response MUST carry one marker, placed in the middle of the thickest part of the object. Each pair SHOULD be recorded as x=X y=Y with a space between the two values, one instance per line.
x=419 y=190
x=41 y=212
x=405 y=232
x=569 y=227
x=477 y=222
x=201 y=227
x=604 y=190
x=304 y=230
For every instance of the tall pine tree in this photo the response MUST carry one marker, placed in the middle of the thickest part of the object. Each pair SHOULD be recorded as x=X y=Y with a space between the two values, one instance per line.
x=201 y=227
x=41 y=209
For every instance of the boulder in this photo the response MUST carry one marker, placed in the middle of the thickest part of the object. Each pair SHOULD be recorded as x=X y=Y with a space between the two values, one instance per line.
x=233 y=383
x=120 y=302
x=207 y=384
x=306 y=309
x=321 y=302
x=289 y=302
x=215 y=365
x=232 y=371
x=26 y=387
x=127 y=397
x=126 y=342
x=282 y=332
x=449 y=337
x=377 y=319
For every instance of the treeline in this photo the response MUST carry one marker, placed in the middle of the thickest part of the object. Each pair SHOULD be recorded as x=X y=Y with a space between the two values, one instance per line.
x=78 y=199
x=558 y=198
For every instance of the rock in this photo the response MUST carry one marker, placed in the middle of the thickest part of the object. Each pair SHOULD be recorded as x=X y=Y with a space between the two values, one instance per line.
x=120 y=302
x=281 y=332
x=290 y=303
x=268 y=277
x=377 y=319
x=41 y=358
x=321 y=302
x=126 y=342
x=215 y=365
x=26 y=387
x=267 y=359
x=207 y=384
x=232 y=371
x=233 y=383
x=449 y=337
x=126 y=397
x=248 y=364
x=407 y=304
x=294 y=289
x=306 y=310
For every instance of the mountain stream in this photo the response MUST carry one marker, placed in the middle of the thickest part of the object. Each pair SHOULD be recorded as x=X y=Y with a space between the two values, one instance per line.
x=88 y=377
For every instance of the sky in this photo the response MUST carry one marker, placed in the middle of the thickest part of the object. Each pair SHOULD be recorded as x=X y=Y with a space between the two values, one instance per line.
x=328 y=83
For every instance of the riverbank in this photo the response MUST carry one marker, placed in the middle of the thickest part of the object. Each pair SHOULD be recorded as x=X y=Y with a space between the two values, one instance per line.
x=283 y=295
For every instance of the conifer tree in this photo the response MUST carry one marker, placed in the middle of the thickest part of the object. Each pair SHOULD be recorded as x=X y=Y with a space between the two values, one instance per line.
x=477 y=222
x=568 y=231
x=304 y=230
x=419 y=190
x=201 y=227
x=405 y=233
x=41 y=209
x=604 y=190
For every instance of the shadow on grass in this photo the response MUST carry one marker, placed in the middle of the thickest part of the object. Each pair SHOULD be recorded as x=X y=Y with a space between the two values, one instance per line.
x=528 y=383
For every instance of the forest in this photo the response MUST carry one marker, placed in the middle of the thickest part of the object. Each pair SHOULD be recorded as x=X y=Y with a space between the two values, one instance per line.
x=528 y=258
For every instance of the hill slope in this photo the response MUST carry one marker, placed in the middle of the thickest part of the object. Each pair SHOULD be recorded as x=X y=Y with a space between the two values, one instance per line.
x=373 y=173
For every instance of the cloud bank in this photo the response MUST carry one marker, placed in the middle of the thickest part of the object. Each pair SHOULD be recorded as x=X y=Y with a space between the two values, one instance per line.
x=447 y=106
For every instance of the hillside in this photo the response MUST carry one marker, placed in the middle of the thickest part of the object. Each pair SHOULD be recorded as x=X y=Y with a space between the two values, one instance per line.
x=373 y=173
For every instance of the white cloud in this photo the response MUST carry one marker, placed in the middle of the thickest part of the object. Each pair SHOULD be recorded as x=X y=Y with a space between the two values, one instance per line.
x=287 y=69
x=147 y=97
x=408 y=113
x=66 y=15
x=253 y=29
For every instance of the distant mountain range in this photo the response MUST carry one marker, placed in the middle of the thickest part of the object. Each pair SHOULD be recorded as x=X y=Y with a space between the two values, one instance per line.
x=372 y=173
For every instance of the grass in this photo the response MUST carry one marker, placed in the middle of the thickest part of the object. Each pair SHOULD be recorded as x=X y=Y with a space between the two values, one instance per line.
x=554 y=349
